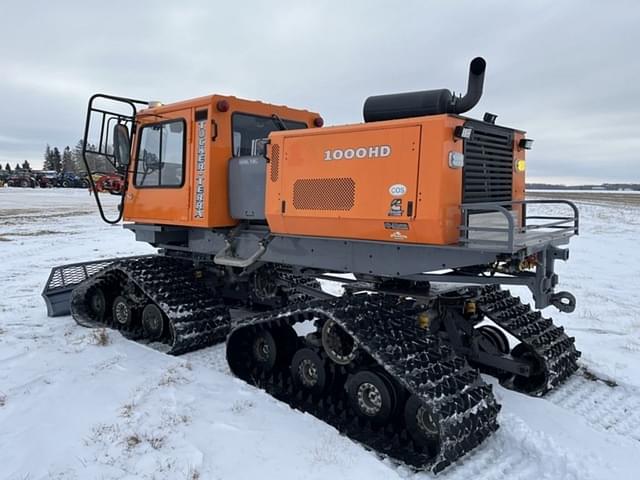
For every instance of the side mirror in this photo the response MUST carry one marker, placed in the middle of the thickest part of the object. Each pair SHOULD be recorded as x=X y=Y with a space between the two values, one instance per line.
x=121 y=145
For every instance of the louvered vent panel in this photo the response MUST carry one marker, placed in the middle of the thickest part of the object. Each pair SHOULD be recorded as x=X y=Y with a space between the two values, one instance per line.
x=324 y=194
x=275 y=162
x=488 y=164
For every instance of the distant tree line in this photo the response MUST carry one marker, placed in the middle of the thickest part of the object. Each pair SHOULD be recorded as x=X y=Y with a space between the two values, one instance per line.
x=71 y=160
x=25 y=166
x=67 y=160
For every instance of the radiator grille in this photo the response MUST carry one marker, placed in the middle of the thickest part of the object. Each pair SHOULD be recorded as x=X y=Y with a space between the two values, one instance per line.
x=488 y=164
x=324 y=193
x=275 y=162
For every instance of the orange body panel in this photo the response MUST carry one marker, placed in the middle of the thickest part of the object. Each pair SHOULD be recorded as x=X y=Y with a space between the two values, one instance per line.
x=383 y=181
x=352 y=196
x=178 y=205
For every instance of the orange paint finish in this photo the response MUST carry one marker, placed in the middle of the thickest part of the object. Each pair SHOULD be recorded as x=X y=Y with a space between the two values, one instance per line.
x=387 y=181
x=181 y=205
x=518 y=184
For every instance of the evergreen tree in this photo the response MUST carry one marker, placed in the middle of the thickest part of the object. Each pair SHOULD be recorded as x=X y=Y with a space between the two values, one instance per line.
x=56 y=160
x=48 y=159
x=26 y=166
x=68 y=164
x=77 y=158
x=7 y=167
x=17 y=167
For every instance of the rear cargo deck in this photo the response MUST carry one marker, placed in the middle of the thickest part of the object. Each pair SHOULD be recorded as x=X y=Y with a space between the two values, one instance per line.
x=507 y=226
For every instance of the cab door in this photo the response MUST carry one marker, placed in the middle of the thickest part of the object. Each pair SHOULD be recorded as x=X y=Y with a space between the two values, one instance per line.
x=158 y=189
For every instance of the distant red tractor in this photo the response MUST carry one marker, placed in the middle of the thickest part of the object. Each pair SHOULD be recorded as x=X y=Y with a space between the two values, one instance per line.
x=110 y=182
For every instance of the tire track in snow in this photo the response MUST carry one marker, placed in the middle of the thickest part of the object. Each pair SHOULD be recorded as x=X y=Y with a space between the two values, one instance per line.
x=515 y=452
x=606 y=408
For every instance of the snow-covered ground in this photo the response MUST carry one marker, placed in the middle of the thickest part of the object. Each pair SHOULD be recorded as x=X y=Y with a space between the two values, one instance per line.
x=73 y=409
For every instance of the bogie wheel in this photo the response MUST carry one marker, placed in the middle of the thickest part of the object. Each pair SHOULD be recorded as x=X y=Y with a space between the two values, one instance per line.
x=536 y=381
x=121 y=311
x=308 y=370
x=98 y=304
x=338 y=344
x=496 y=337
x=264 y=350
x=152 y=322
x=372 y=396
x=422 y=425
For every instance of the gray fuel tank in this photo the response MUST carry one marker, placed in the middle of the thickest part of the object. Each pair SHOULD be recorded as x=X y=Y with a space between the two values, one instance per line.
x=247 y=180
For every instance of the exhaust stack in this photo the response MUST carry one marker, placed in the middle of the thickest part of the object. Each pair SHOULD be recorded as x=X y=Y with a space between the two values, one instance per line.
x=427 y=102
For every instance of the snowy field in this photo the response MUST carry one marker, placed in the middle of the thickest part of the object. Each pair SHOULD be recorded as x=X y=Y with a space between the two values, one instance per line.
x=73 y=409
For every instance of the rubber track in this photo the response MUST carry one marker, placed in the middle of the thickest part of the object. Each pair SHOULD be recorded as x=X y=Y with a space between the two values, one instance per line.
x=197 y=318
x=551 y=345
x=385 y=330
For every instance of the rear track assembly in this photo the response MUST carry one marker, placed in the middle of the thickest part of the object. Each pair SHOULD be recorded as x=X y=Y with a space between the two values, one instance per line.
x=435 y=407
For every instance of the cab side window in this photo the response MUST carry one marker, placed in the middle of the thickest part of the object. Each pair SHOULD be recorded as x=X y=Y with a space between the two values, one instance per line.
x=249 y=129
x=161 y=152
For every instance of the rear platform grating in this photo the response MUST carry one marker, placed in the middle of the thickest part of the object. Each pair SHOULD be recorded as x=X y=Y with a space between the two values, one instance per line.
x=488 y=164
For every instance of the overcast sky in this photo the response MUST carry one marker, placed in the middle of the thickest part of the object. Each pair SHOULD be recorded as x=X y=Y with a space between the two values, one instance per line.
x=567 y=72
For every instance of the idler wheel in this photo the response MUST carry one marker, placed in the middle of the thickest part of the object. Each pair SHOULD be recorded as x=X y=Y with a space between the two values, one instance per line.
x=264 y=350
x=536 y=381
x=338 y=344
x=121 y=311
x=98 y=303
x=308 y=370
x=422 y=424
x=496 y=336
x=152 y=322
x=372 y=396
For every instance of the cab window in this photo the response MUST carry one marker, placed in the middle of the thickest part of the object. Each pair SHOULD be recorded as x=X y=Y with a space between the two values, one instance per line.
x=248 y=130
x=160 y=161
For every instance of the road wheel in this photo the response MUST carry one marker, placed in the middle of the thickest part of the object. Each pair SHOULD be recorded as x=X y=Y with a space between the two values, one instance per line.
x=24 y=183
x=264 y=350
x=65 y=184
x=98 y=304
x=422 y=424
x=121 y=311
x=152 y=322
x=84 y=184
x=372 y=396
x=308 y=370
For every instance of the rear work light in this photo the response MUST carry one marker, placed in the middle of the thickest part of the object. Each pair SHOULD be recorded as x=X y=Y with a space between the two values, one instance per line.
x=525 y=143
x=463 y=132
x=318 y=122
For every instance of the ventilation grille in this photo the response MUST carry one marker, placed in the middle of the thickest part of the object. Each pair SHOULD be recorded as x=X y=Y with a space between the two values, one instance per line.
x=324 y=194
x=275 y=162
x=488 y=164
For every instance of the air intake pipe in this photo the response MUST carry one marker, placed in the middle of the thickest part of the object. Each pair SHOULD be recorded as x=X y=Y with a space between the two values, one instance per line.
x=427 y=102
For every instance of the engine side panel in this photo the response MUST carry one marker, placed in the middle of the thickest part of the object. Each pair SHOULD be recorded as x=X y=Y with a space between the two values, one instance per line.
x=385 y=181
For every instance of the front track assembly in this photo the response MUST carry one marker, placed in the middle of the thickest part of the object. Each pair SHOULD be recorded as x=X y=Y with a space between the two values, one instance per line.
x=155 y=299
x=543 y=344
x=370 y=371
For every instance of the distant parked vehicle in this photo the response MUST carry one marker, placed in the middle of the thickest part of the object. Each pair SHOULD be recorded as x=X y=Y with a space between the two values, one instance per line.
x=109 y=182
x=71 y=180
x=4 y=176
x=46 y=178
x=22 y=179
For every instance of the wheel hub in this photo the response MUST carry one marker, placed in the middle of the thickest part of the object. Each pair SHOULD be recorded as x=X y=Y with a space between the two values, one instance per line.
x=261 y=350
x=339 y=345
x=369 y=399
x=122 y=313
x=308 y=373
x=426 y=422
